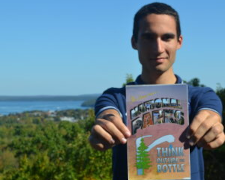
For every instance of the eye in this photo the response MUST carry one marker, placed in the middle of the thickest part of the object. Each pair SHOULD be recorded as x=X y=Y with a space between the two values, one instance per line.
x=148 y=36
x=168 y=37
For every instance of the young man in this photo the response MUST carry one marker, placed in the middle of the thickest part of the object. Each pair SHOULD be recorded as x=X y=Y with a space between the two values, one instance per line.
x=157 y=37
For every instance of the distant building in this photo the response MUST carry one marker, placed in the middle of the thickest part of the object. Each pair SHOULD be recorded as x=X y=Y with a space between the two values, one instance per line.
x=51 y=113
x=70 y=119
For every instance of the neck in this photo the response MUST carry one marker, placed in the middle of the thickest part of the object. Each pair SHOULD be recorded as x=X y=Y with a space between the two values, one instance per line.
x=159 y=78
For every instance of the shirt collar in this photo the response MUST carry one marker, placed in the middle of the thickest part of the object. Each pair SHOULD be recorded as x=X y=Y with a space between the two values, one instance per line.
x=139 y=81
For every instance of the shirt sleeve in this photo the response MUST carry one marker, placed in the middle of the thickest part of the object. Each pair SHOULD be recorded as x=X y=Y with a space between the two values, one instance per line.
x=208 y=99
x=106 y=101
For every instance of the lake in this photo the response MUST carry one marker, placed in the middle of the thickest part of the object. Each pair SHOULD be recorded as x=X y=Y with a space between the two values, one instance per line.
x=7 y=107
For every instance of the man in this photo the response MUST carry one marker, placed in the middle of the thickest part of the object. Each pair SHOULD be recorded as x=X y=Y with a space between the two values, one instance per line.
x=157 y=37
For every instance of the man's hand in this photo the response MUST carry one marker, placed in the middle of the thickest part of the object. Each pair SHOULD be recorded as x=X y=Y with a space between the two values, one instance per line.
x=206 y=130
x=108 y=131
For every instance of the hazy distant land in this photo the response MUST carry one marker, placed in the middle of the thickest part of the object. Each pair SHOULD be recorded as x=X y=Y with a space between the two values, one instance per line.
x=49 y=98
x=88 y=99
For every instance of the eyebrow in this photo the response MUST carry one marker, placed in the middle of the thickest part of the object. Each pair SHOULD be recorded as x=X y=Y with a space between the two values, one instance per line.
x=148 y=34
x=171 y=35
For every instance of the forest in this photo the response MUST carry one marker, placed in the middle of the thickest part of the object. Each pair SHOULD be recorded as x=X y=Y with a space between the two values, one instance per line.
x=37 y=146
x=33 y=147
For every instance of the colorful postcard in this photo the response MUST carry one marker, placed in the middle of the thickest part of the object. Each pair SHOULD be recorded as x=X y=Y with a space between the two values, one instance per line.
x=157 y=117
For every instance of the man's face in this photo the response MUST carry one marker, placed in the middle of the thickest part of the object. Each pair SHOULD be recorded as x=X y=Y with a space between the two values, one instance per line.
x=157 y=43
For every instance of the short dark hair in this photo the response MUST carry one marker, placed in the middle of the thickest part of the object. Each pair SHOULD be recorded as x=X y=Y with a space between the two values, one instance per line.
x=155 y=8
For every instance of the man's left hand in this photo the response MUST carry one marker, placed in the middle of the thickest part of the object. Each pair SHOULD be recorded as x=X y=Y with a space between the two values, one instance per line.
x=206 y=130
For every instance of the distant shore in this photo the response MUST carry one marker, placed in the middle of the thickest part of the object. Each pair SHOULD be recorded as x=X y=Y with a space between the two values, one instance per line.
x=49 y=98
x=13 y=107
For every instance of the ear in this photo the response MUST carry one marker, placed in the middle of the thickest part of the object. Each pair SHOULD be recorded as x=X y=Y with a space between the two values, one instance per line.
x=133 y=43
x=180 y=42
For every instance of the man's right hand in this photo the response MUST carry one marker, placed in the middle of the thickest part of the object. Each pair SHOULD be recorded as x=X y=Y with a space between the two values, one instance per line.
x=108 y=131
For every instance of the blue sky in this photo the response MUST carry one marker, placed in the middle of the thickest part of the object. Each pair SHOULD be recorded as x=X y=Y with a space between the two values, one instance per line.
x=71 y=47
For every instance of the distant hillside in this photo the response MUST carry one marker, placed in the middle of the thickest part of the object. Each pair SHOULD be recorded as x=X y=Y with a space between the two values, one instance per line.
x=89 y=103
x=50 y=98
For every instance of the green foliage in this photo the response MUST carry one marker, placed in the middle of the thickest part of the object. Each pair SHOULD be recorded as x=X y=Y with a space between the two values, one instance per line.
x=39 y=149
x=143 y=159
x=129 y=78
x=195 y=82
x=89 y=103
x=221 y=93
x=214 y=163
x=36 y=147
x=214 y=159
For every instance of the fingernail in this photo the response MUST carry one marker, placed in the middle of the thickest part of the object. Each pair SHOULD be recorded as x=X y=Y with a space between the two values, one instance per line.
x=124 y=140
x=128 y=133
x=191 y=142
x=112 y=141
x=188 y=134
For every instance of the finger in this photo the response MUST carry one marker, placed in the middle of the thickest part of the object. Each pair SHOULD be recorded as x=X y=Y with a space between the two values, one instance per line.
x=207 y=130
x=118 y=122
x=195 y=124
x=202 y=124
x=100 y=139
x=211 y=134
x=111 y=130
x=97 y=144
x=114 y=117
x=216 y=142
x=102 y=134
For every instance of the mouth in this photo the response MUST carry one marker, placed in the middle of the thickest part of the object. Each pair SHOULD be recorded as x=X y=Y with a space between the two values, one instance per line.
x=159 y=59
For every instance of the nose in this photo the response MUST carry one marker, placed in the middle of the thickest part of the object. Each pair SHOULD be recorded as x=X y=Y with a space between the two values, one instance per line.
x=159 y=46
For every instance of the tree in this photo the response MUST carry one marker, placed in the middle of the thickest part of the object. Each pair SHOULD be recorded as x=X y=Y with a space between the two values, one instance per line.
x=143 y=159
x=50 y=150
x=195 y=82
x=129 y=78
x=220 y=91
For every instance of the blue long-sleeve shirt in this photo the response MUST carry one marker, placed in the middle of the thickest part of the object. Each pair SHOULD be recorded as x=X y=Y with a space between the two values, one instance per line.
x=199 y=98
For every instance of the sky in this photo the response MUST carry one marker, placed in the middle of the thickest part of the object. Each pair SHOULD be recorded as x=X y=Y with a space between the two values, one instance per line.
x=74 y=47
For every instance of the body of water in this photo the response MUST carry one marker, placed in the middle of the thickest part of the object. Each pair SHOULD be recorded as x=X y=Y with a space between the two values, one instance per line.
x=7 y=107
